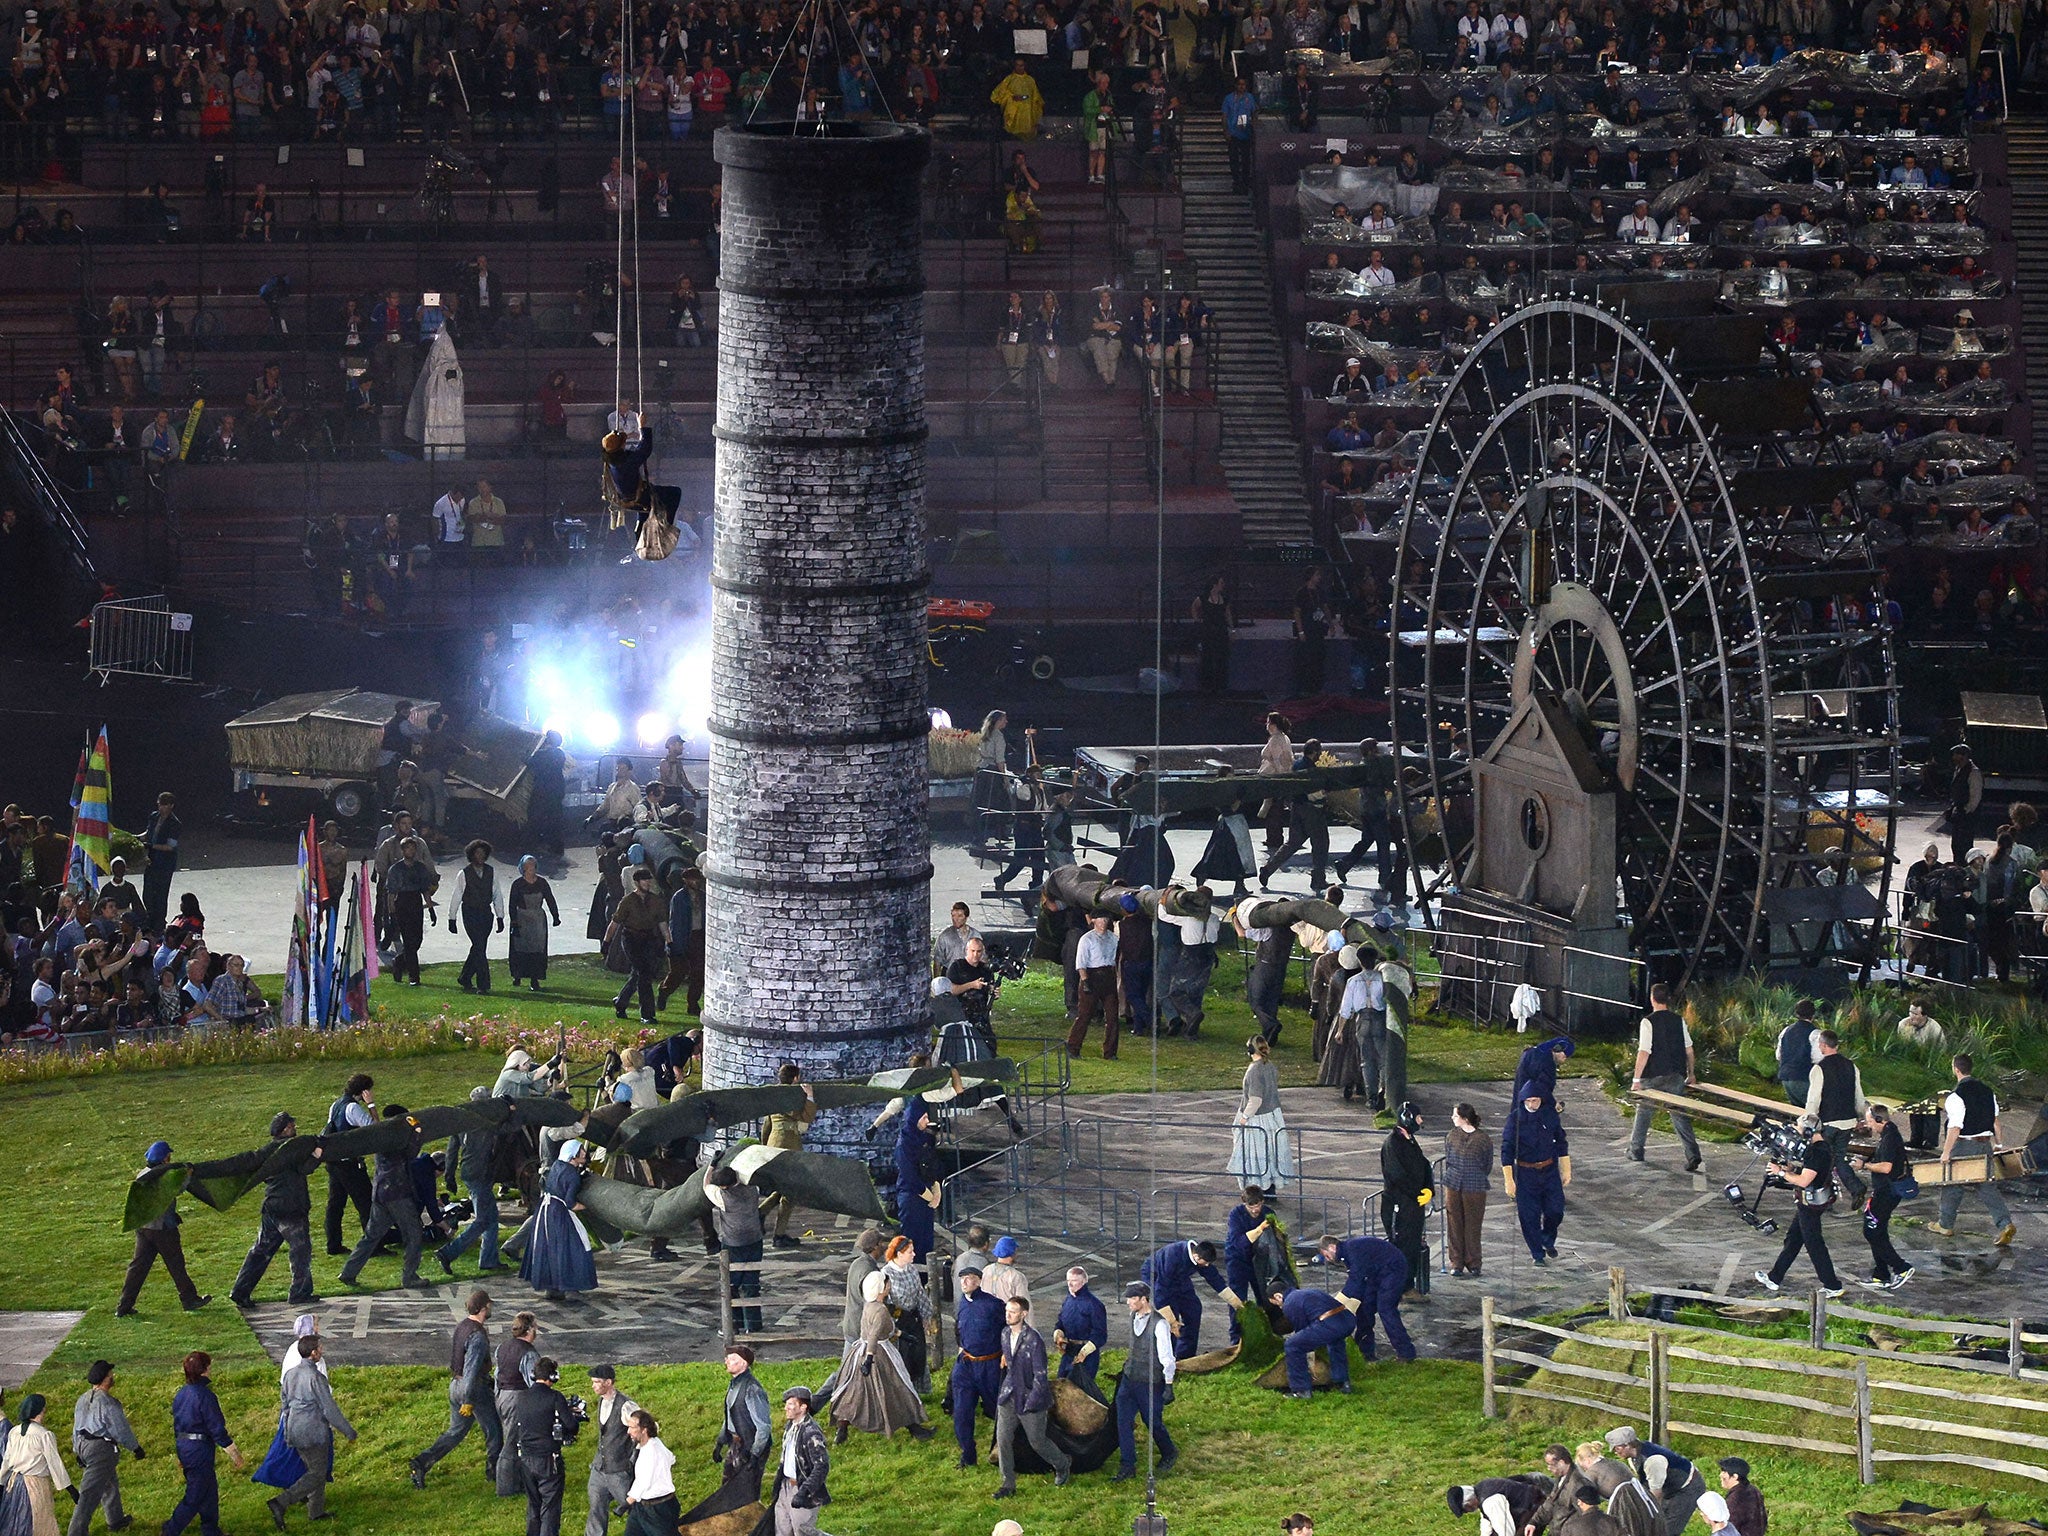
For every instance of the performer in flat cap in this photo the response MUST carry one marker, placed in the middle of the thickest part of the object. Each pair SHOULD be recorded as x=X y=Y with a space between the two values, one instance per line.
x=1146 y=1386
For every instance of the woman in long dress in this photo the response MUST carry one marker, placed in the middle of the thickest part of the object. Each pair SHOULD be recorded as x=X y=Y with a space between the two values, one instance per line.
x=30 y=1474
x=532 y=910
x=992 y=778
x=558 y=1257
x=875 y=1391
x=1259 y=1150
x=1342 y=1065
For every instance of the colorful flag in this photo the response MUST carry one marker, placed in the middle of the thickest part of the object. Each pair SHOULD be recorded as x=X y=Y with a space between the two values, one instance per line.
x=358 y=961
x=296 y=1010
x=92 y=833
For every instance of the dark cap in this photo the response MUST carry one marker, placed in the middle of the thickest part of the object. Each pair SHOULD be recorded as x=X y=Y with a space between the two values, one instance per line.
x=279 y=1121
x=1735 y=1466
x=604 y=1373
x=801 y=1394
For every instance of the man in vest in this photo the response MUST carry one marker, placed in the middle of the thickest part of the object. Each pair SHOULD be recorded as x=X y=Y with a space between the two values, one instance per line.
x=1674 y=1481
x=1146 y=1386
x=1971 y=1131
x=1798 y=1053
x=611 y=1465
x=1664 y=1061
x=472 y=1395
x=1835 y=1098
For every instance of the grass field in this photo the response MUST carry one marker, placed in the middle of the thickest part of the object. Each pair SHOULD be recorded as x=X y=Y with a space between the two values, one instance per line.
x=1375 y=1462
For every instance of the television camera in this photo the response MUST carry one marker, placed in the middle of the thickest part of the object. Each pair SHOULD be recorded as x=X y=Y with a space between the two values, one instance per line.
x=1769 y=1141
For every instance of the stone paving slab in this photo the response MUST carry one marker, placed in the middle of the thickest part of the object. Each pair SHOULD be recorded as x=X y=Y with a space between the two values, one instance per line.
x=27 y=1339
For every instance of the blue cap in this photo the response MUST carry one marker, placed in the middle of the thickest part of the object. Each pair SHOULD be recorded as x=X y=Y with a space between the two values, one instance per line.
x=157 y=1152
x=1383 y=919
x=622 y=1094
x=1006 y=1247
x=1128 y=903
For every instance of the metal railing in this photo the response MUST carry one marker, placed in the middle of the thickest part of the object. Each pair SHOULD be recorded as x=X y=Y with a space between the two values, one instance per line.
x=140 y=637
x=32 y=481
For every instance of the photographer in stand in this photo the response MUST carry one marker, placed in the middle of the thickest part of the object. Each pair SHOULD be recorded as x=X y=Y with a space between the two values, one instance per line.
x=1812 y=1186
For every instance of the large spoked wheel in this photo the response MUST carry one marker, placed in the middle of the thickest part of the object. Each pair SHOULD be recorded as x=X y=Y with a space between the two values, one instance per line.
x=1571 y=533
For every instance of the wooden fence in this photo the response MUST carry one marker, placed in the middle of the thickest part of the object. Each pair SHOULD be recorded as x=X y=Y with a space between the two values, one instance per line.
x=1642 y=1379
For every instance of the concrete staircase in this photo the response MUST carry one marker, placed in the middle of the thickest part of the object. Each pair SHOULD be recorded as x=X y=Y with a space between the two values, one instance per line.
x=2026 y=141
x=1262 y=461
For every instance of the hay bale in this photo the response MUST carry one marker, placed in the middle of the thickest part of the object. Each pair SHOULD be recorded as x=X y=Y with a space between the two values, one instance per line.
x=953 y=754
x=1209 y=1362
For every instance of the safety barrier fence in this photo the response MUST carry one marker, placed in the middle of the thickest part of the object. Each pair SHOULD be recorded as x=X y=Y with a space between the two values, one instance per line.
x=1655 y=1377
x=140 y=637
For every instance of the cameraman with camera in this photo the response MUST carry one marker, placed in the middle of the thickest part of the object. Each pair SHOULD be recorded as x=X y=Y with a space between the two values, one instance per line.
x=1812 y=1184
x=542 y=1423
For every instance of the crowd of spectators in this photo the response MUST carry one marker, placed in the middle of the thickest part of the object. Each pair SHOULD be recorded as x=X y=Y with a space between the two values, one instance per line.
x=1812 y=166
x=114 y=961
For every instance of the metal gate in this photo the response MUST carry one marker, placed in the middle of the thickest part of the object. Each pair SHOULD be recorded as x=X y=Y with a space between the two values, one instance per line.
x=141 y=637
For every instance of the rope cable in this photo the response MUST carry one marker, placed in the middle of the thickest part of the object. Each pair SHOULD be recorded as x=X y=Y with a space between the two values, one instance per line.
x=626 y=108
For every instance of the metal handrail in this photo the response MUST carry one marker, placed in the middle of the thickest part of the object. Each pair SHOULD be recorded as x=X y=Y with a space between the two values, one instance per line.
x=33 y=478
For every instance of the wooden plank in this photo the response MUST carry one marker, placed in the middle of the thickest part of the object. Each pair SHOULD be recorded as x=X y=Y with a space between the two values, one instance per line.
x=1866 y=1438
x=1936 y=1362
x=1987 y=1463
x=1638 y=1346
x=1756 y=1437
x=1790 y=1367
x=1487 y=1404
x=1919 y=1324
x=1777 y=1109
x=1975 y=1169
x=1965 y=1431
x=1950 y=1395
x=1596 y=1404
x=1566 y=1368
x=1752 y=1395
x=1726 y=1113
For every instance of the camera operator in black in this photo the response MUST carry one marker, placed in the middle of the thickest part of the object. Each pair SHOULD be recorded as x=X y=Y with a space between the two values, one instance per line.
x=1885 y=1165
x=542 y=1423
x=1810 y=1184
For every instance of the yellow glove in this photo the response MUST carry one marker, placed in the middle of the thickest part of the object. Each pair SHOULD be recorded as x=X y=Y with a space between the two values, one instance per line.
x=1085 y=1351
x=1422 y=1199
x=466 y=1411
x=1348 y=1303
x=1231 y=1298
x=1564 y=1166
x=1508 y=1177
x=1172 y=1322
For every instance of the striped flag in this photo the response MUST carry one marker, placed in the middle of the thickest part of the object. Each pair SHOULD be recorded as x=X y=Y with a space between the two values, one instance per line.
x=92 y=832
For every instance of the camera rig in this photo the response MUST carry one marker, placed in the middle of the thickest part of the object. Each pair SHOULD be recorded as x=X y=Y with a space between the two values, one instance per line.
x=1769 y=1141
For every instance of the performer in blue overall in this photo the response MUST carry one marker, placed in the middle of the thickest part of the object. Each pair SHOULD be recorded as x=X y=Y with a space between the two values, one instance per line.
x=1247 y=1224
x=1081 y=1333
x=635 y=488
x=1319 y=1321
x=1536 y=1163
x=978 y=1366
x=915 y=1174
x=1538 y=1067
x=201 y=1432
x=1171 y=1272
x=1376 y=1277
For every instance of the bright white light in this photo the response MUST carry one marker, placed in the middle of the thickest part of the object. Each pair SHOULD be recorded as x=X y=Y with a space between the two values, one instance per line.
x=687 y=694
x=652 y=729
x=601 y=730
x=941 y=721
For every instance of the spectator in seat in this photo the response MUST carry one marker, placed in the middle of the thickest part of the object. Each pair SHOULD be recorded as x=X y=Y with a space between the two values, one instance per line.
x=1044 y=334
x=1105 y=337
x=233 y=999
x=1353 y=380
x=711 y=85
x=1021 y=220
x=1347 y=436
x=223 y=447
x=259 y=216
x=556 y=395
x=359 y=407
x=686 y=313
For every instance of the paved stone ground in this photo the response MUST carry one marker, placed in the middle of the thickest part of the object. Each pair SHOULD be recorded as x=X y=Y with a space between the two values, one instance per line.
x=1666 y=1227
x=27 y=1339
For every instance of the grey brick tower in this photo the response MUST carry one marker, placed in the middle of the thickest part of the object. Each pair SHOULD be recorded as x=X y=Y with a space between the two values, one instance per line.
x=818 y=919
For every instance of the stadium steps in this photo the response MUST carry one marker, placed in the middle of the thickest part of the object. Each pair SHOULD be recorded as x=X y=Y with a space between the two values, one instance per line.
x=1260 y=451
x=2026 y=139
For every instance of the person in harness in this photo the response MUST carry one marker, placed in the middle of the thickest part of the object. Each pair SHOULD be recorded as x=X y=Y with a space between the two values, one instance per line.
x=629 y=488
